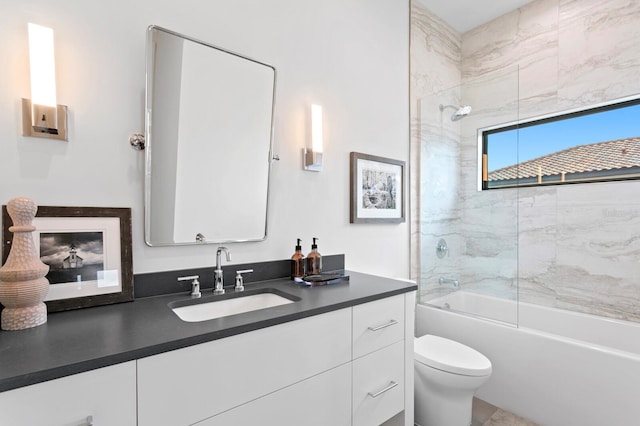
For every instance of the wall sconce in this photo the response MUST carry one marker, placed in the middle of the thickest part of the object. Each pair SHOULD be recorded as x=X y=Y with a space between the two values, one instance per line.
x=313 y=157
x=41 y=115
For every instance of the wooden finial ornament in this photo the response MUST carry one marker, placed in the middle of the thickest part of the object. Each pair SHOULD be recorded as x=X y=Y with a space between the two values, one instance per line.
x=23 y=285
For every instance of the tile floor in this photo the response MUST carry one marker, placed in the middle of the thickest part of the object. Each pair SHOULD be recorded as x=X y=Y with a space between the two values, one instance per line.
x=485 y=414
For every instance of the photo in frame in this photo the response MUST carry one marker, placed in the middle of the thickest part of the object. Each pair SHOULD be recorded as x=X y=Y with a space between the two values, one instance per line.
x=89 y=253
x=377 y=189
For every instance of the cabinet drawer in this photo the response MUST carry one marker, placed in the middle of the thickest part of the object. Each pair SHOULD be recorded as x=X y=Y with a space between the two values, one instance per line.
x=226 y=373
x=321 y=400
x=107 y=394
x=377 y=324
x=378 y=385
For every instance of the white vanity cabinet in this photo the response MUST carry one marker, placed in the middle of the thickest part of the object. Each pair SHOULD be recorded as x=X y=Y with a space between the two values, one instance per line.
x=347 y=367
x=105 y=396
x=378 y=365
x=378 y=385
x=352 y=366
x=189 y=385
x=321 y=400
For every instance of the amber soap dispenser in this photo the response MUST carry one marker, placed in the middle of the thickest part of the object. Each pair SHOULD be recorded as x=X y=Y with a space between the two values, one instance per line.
x=297 y=262
x=314 y=260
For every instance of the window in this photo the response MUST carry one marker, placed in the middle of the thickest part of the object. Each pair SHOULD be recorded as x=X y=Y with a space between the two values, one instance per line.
x=593 y=145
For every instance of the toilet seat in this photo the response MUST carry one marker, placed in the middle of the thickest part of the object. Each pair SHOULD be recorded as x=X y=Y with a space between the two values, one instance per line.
x=450 y=356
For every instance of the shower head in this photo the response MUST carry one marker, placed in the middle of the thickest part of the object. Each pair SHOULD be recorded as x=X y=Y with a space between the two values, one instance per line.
x=460 y=113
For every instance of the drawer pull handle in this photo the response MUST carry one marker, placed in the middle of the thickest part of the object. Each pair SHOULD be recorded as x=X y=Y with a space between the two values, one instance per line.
x=392 y=385
x=380 y=327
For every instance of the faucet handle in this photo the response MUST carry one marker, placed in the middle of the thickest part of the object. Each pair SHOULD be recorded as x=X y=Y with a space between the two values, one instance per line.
x=195 y=285
x=239 y=280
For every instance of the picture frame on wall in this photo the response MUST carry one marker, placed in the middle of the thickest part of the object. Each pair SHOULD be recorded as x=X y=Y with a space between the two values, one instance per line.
x=377 y=189
x=88 y=251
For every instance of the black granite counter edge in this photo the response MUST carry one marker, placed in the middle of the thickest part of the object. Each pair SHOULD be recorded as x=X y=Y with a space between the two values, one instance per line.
x=62 y=371
x=35 y=377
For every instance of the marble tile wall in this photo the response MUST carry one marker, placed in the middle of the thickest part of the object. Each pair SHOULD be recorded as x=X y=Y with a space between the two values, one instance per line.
x=575 y=247
x=440 y=213
x=435 y=65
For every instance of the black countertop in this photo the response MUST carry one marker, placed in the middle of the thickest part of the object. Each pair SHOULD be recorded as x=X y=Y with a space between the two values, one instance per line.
x=76 y=341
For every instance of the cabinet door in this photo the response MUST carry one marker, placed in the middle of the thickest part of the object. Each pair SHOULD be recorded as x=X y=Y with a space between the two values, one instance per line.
x=319 y=401
x=378 y=385
x=192 y=384
x=106 y=395
x=377 y=324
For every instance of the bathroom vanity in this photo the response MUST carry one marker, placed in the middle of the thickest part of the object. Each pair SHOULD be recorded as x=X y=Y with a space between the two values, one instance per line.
x=340 y=355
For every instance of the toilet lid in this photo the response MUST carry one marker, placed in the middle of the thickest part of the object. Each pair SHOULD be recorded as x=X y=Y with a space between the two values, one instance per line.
x=450 y=356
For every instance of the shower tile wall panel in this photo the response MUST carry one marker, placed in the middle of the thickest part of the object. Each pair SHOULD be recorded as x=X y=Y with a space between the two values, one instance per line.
x=537 y=247
x=435 y=48
x=599 y=57
x=435 y=65
x=577 y=246
x=527 y=37
x=440 y=200
x=598 y=249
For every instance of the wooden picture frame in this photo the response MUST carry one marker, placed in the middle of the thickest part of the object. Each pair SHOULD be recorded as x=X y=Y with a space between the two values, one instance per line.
x=88 y=250
x=377 y=189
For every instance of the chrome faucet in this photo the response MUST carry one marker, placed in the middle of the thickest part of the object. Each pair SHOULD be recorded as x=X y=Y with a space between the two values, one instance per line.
x=443 y=280
x=218 y=282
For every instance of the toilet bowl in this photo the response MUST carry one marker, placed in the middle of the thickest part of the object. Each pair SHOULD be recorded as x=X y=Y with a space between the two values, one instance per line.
x=447 y=374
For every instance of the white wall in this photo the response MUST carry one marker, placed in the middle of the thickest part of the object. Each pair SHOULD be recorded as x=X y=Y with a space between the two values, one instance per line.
x=349 y=56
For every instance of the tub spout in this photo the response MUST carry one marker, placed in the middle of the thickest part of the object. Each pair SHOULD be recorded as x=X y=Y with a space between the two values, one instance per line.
x=443 y=280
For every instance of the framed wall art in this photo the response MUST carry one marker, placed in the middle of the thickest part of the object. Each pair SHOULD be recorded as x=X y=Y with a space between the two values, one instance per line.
x=88 y=250
x=377 y=189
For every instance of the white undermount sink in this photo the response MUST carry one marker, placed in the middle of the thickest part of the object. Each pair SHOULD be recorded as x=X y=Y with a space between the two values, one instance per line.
x=231 y=306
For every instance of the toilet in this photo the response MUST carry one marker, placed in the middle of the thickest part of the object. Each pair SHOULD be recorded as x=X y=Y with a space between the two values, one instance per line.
x=447 y=374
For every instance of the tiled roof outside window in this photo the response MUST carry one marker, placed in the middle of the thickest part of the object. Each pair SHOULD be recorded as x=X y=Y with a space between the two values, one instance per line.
x=601 y=156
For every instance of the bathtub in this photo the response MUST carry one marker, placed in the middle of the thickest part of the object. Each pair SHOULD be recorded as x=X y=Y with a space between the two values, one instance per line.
x=557 y=368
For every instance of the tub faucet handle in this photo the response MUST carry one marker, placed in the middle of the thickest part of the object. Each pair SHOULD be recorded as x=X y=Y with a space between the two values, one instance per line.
x=442 y=249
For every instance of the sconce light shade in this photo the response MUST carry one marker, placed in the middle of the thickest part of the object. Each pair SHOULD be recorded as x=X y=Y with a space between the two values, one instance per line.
x=42 y=116
x=313 y=157
x=42 y=65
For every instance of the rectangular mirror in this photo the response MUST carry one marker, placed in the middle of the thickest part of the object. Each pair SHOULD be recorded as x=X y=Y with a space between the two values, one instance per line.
x=209 y=127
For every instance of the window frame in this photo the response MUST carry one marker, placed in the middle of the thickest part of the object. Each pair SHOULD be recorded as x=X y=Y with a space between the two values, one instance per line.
x=580 y=177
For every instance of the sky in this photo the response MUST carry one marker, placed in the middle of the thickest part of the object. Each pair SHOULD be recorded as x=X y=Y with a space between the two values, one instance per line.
x=509 y=148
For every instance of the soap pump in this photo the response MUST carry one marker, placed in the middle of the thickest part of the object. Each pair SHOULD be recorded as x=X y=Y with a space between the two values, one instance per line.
x=297 y=262
x=314 y=260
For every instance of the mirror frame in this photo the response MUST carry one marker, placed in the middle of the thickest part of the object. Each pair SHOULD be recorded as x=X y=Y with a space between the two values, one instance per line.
x=149 y=59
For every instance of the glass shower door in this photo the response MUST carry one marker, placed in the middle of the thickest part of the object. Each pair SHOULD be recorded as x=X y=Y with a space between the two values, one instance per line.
x=468 y=237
